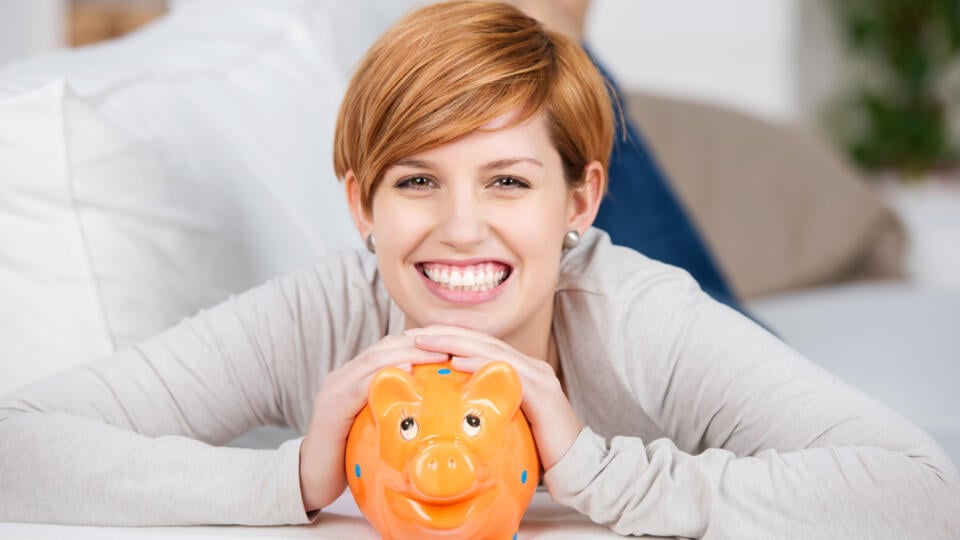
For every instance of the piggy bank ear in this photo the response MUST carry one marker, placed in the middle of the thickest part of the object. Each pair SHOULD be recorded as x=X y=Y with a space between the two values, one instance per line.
x=389 y=387
x=498 y=385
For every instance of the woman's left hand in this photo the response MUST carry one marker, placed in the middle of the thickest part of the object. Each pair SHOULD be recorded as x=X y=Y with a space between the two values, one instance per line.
x=552 y=420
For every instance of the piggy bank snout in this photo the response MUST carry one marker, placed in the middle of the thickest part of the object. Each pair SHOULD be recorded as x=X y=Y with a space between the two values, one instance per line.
x=443 y=470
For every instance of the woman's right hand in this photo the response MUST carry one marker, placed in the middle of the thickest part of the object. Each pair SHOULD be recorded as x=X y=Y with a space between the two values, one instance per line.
x=341 y=396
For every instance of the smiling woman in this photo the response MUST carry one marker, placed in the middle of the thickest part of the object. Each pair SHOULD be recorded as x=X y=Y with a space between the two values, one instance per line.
x=472 y=144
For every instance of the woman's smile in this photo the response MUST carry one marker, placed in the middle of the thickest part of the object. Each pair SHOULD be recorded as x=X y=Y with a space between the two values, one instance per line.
x=465 y=282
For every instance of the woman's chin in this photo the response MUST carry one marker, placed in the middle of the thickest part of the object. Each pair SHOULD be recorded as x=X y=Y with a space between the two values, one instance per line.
x=479 y=322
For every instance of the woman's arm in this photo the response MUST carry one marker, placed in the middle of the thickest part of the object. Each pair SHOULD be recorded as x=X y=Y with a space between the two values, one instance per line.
x=763 y=443
x=129 y=440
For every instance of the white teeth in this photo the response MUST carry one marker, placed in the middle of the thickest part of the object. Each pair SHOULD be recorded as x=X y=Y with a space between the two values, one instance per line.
x=477 y=278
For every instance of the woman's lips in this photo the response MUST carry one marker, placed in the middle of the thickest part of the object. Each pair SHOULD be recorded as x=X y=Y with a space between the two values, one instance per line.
x=465 y=283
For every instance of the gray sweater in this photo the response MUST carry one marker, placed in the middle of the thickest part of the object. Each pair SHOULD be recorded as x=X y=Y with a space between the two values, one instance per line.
x=701 y=423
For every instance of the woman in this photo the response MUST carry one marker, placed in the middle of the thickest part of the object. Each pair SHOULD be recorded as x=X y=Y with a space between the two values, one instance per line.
x=472 y=145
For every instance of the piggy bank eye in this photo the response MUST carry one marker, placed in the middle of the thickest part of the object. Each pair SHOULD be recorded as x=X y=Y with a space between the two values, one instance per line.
x=408 y=428
x=471 y=424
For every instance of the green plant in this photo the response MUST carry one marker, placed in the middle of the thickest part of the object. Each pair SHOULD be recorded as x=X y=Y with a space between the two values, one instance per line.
x=902 y=56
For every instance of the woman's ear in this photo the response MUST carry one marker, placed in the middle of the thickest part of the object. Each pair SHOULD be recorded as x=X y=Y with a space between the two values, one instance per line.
x=584 y=200
x=361 y=218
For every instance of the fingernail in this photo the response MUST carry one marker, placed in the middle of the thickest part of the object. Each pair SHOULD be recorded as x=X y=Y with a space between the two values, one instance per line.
x=406 y=367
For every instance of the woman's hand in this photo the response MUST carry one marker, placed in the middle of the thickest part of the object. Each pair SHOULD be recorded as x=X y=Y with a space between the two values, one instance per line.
x=552 y=420
x=341 y=396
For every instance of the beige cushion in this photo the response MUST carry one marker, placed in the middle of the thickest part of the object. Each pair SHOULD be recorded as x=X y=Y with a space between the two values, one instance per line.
x=777 y=207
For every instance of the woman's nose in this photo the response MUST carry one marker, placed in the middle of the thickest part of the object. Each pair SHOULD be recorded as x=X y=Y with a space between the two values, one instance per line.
x=463 y=225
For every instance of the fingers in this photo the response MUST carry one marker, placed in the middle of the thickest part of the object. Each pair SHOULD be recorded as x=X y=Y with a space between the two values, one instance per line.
x=462 y=345
x=348 y=384
x=531 y=376
x=366 y=366
x=372 y=361
x=469 y=365
x=470 y=350
x=397 y=351
x=470 y=354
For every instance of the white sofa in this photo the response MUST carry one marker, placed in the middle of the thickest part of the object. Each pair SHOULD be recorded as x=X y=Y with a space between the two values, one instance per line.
x=151 y=176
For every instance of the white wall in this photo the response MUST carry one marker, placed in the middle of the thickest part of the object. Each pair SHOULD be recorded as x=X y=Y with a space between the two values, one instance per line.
x=736 y=52
x=30 y=26
x=771 y=57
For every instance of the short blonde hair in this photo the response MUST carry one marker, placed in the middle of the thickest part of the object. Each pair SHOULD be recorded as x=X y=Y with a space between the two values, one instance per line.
x=447 y=69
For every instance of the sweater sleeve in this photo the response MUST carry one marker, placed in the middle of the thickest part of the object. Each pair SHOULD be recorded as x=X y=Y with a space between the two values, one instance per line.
x=132 y=439
x=761 y=442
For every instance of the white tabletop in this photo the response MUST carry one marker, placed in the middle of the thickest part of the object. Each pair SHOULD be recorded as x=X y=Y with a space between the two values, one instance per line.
x=341 y=520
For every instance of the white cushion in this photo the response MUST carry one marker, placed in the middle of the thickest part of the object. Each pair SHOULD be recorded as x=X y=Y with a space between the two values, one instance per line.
x=51 y=311
x=151 y=176
x=895 y=341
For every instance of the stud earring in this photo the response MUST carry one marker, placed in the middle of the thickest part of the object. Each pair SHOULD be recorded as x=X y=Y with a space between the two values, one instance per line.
x=571 y=239
x=371 y=243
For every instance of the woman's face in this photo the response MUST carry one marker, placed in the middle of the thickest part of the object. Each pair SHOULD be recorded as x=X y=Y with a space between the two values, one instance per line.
x=470 y=233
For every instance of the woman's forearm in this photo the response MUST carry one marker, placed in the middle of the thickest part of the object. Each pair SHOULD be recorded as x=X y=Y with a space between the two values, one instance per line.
x=827 y=492
x=761 y=442
x=131 y=439
x=59 y=468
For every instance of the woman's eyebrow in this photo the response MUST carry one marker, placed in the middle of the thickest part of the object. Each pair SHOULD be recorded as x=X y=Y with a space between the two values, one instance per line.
x=414 y=164
x=506 y=162
x=493 y=165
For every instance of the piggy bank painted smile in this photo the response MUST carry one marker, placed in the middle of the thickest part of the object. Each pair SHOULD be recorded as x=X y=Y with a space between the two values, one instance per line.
x=443 y=454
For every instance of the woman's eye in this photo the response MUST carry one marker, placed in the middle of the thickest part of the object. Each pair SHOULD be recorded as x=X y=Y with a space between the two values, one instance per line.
x=510 y=182
x=416 y=182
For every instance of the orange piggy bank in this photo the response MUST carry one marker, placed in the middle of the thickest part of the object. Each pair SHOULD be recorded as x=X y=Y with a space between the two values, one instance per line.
x=441 y=454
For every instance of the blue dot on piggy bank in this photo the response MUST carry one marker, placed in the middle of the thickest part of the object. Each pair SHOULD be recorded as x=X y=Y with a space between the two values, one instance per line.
x=356 y=470
x=444 y=371
x=514 y=536
x=523 y=477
